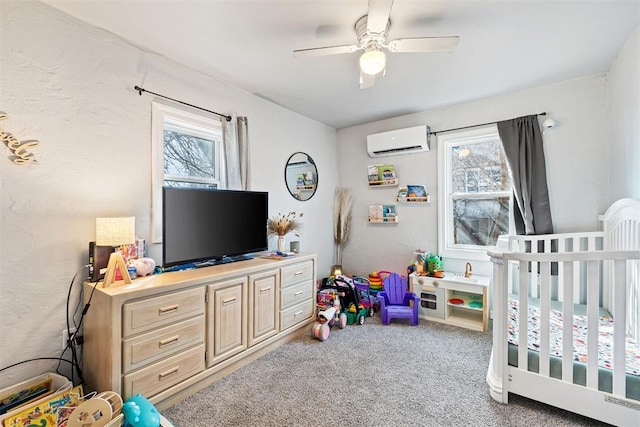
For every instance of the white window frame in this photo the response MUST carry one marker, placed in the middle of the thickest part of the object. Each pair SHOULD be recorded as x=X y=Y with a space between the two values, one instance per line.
x=446 y=141
x=164 y=116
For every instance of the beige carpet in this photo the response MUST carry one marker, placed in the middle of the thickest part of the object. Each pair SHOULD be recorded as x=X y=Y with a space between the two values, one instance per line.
x=369 y=375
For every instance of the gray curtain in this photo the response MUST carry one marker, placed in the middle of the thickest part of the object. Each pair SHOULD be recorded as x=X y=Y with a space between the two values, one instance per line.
x=236 y=153
x=522 y=142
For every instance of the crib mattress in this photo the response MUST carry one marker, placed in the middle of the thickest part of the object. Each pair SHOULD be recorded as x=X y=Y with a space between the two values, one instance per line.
x=632 y=365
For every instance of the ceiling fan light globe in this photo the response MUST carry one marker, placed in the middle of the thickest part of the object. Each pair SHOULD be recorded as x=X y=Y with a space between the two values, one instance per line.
x=373 y=61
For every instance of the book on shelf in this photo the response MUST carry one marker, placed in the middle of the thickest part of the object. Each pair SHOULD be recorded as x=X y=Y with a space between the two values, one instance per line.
x=375 y=213
x=386 y=172
x=416 y=191
x=372 y=173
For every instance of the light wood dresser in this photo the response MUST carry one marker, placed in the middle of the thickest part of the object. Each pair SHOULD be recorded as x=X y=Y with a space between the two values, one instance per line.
x=169 y=335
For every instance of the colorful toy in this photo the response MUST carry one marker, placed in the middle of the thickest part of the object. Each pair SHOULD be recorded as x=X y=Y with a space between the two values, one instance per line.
x=139 y=412
x=375 y=282
x=367 y=298
x=327 y=314
x=434 y=263
x=356 y=311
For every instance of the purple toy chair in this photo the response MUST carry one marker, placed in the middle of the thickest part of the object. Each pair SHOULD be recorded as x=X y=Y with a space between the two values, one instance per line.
x=394 y=300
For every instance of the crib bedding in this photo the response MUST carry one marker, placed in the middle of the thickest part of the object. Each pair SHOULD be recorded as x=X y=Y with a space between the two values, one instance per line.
x=632 y=365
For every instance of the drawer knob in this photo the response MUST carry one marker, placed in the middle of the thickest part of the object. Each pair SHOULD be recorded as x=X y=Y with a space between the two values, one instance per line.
x=229 y=300
x=297 y=294
x=166 y=373
x=265 y=290
x=436 y=283
x=169 y=309
x=297 y=313
x=297 y=273
x=168 y=341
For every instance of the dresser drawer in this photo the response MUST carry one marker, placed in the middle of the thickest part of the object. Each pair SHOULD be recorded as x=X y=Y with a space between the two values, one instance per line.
x=296 y=273
x=162 y=375
x=293 y=295
x=150 y=313
x=161 y=343
x=296 y=314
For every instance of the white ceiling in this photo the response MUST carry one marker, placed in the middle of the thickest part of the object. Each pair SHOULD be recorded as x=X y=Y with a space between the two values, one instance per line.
x=504 y=46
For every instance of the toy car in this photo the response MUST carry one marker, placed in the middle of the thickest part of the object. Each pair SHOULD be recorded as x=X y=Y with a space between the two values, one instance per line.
x=328 y=314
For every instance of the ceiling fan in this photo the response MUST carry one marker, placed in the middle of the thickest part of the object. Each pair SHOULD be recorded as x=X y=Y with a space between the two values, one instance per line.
x=372 y=30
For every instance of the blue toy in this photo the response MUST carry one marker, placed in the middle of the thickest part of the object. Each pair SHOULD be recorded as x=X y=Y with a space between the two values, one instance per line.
x=139 y=412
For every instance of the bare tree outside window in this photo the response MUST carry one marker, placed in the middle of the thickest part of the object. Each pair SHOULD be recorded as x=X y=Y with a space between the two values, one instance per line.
x=481 y=186
x=188 y=160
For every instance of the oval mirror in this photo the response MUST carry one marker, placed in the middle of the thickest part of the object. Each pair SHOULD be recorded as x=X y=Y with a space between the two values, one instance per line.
x=301 y=176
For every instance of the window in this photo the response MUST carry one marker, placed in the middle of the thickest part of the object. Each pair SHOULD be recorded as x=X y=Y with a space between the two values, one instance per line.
x=186 y=152
x=474 y=192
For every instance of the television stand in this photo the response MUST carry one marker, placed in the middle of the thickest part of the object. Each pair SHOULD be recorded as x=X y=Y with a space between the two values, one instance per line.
x=169 y=335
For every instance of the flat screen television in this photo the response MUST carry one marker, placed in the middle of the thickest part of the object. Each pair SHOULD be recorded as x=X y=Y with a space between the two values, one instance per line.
x=204 y=226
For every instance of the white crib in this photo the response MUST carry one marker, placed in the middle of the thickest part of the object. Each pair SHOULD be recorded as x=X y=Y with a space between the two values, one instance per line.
x=560 y=294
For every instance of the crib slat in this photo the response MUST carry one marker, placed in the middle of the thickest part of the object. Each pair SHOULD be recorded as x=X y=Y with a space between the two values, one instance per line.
x=619 y=304
x=523 y=324
x=576 y=282
x=633 y=299
x=567 y=322
x=561 y=293
x=593 y=303
x=545 y=272
x=533 y=267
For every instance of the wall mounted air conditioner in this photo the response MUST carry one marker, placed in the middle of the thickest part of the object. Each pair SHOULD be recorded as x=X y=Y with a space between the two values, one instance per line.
x=400 y=141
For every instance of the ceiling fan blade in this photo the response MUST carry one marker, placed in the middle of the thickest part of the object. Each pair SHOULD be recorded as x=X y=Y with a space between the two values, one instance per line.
x=378 y=16
x=424 y=44
x=367 y=80
x=324 y=51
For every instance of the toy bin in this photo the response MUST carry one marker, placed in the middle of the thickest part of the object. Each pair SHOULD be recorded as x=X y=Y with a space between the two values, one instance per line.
x=16 y=398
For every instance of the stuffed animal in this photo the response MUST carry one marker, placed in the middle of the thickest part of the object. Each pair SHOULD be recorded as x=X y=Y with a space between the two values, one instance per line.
x=144 y=266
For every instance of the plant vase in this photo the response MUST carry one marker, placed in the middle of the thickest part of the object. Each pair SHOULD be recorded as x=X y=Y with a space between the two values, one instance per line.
x=280 y=243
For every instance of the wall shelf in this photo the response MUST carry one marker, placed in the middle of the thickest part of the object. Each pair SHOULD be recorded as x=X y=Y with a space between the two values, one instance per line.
x=413 y=194
x=383 y=214
x=382 y=176
x=384 y=183
x=389 y=220
x=424 y=199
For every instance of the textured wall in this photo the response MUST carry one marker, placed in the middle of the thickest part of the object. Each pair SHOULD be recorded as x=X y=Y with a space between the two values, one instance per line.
x=70 y=86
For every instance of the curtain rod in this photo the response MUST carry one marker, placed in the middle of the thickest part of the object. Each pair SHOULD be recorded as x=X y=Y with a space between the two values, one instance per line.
x=474 y=126
x=140 y=90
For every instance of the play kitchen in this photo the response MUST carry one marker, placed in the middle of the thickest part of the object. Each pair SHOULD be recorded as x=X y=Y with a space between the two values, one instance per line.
x=459 y=299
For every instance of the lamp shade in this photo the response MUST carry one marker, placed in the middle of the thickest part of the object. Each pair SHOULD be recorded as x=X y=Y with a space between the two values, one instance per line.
x=373 y=61
x=115 y=231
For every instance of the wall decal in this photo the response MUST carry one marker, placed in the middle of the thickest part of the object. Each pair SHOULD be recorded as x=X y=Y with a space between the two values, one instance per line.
x=20 y=149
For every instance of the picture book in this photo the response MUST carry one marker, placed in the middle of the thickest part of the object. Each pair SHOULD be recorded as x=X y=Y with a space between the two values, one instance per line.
x=416 y=191
x=372 y=173
x=389 y=211
x=386 y=172
x=44 y=414
x=24 y=396
x=375 y=213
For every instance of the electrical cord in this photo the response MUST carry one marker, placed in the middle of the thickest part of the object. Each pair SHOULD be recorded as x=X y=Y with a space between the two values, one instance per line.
x=59 y=359
x=73 y=339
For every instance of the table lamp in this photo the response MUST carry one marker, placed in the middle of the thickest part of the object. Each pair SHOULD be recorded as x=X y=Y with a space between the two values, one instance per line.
x=115 y=232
